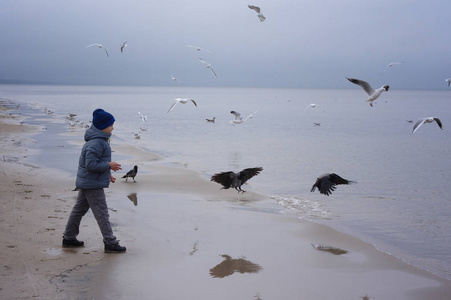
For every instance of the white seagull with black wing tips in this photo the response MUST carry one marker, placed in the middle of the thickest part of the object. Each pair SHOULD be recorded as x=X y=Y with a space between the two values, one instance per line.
x=238 y=119
x=208 y=66
x=391 y=64
x=183 y=101
x=426 y=120
x=235 y=180
x=313 y=105
x=448 y=81
x=373 y=94
x=143 y=117
x=100 y=46
x=175 y=79
x=198 y=48
x=326 y=183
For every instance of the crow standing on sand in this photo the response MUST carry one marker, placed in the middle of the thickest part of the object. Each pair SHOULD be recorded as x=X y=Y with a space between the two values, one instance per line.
x=326 y=183
x=132 y=173
x=235 y=180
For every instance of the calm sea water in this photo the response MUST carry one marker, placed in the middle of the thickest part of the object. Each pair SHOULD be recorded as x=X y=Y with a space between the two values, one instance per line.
x=401 y=202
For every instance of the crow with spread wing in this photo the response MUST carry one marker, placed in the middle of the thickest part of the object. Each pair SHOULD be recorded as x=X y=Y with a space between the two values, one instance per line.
x=235 y=180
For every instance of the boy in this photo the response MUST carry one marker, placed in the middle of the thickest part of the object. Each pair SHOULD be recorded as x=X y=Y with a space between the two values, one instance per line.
x=92 y=177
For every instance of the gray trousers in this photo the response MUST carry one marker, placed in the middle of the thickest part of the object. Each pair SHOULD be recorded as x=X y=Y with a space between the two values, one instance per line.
x=96 y=200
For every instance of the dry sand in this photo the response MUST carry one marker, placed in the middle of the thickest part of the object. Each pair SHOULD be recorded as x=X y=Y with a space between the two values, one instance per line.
x=185 y=239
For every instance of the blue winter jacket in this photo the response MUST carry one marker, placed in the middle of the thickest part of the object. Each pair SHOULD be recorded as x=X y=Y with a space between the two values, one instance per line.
x=93 y=167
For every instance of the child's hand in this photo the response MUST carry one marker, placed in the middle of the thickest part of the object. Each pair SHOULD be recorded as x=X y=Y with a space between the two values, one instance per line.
x=112 y=178
x=115 y=166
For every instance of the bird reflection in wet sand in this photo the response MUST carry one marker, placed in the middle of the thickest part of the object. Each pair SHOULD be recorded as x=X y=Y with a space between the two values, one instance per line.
x=133 y=198
x=231 y=265
x=333 y=250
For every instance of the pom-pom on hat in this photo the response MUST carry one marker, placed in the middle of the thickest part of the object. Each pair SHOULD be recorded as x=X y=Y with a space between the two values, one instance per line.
x=102 y=119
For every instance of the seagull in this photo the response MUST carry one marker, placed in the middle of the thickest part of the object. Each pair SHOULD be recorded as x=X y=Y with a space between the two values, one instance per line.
x=183 y=101
x=373 y=94
x=238 y=119
x=257 y=9
x=235 y=180
x=143 y=118
x=132 y=173
x=71 y=116
x=100 y=46
x=209 y=66
x=313 y=105
x=137 y=135
x=326 y=183
x=175 y=79
x=124 y=44
x=211 y=120
x=391 y=64
x=198 y=48
x=426 y=120
x=448 y=80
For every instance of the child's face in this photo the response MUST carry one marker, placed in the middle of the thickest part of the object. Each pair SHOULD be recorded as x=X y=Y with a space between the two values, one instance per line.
x=108 y=129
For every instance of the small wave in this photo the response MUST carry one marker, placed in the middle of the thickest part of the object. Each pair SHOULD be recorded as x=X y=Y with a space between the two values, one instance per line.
x=303 y=208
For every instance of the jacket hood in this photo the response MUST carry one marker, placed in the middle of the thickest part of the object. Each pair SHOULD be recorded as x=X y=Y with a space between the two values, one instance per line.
x=94 y=133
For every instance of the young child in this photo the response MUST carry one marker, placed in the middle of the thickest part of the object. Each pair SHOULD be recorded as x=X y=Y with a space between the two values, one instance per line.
x=92 y=177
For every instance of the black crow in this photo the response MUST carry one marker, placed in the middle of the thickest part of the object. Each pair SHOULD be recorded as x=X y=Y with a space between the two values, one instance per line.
x=235 y=180
x=131 y=173
x=326 y=183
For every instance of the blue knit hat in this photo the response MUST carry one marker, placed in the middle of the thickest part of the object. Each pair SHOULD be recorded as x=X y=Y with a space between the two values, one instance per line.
x=102 y=119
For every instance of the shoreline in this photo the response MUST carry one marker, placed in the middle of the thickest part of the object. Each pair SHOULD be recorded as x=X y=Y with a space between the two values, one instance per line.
x=210 y=222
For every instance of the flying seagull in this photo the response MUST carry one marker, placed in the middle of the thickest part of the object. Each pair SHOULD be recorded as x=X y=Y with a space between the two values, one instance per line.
x=100 y=46
x=238 y=119
x=391 y=64
x=313 y=105
x=198 y=48
x=132 y=173
x=175 y=79
x=209 y=66
x=326 y=183
x=183 y=101
x=426 y=120
x=211 y=120
x=259 y=14
x=124 y=44
x=235 y=180
x=143 y=118
x=373 y=94
x=448 y=80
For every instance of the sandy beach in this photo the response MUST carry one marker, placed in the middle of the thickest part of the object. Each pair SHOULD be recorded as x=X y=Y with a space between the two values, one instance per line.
x=185 y=238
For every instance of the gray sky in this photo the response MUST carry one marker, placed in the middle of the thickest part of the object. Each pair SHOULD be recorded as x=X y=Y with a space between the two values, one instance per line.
x=301 y=44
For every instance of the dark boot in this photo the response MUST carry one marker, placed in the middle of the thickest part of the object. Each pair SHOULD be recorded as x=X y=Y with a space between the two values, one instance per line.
x=114 y=248
x=72 y=243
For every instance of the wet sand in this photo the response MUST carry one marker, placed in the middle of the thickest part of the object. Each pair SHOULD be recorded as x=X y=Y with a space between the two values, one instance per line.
x=185 y=238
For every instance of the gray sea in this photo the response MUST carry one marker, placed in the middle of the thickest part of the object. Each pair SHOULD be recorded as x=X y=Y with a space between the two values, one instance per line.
x=400 y=203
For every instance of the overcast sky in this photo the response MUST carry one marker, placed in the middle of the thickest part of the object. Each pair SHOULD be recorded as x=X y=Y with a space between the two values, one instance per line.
x=301 y=44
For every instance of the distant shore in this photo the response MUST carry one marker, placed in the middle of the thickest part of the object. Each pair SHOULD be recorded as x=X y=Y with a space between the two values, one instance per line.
x=185 y=238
